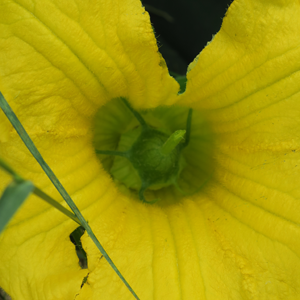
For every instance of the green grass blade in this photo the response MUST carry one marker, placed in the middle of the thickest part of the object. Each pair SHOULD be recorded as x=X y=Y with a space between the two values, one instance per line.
x=9 y=170
x=12 y=198
x=4 y=166
x=55 y=204
x=34 y=151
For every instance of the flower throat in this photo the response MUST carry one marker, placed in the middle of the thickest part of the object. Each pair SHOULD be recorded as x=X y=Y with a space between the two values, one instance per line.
x=155 y=155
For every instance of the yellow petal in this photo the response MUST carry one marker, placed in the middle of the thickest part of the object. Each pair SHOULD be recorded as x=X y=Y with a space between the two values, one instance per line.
x=245 y=82
x=59 y=62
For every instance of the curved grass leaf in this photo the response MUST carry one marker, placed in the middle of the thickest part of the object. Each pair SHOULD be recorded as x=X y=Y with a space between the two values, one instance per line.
x=12 y=198
x=17 y=178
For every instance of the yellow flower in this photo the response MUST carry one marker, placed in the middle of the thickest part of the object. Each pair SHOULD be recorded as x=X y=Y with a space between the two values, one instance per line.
x=236 y=238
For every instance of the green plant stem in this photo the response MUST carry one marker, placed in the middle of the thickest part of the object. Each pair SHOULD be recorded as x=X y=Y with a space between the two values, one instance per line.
x=135 y=113
x=34 y=151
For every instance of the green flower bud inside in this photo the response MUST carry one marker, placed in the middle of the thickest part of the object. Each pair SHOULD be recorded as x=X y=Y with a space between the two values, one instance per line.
x=156 y=168
x=155 y=155
x=145 y=152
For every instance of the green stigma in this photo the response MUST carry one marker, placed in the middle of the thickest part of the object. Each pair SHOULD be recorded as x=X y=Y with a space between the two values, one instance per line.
x=154 y=154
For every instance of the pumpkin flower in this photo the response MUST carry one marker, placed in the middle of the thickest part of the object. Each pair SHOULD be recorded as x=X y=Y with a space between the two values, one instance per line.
x=234 y=231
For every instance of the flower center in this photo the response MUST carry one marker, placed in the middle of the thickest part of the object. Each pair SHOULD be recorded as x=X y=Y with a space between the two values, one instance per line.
x=145 y=151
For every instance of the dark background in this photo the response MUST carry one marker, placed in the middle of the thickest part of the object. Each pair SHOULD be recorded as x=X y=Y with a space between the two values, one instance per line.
x=183 y=27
